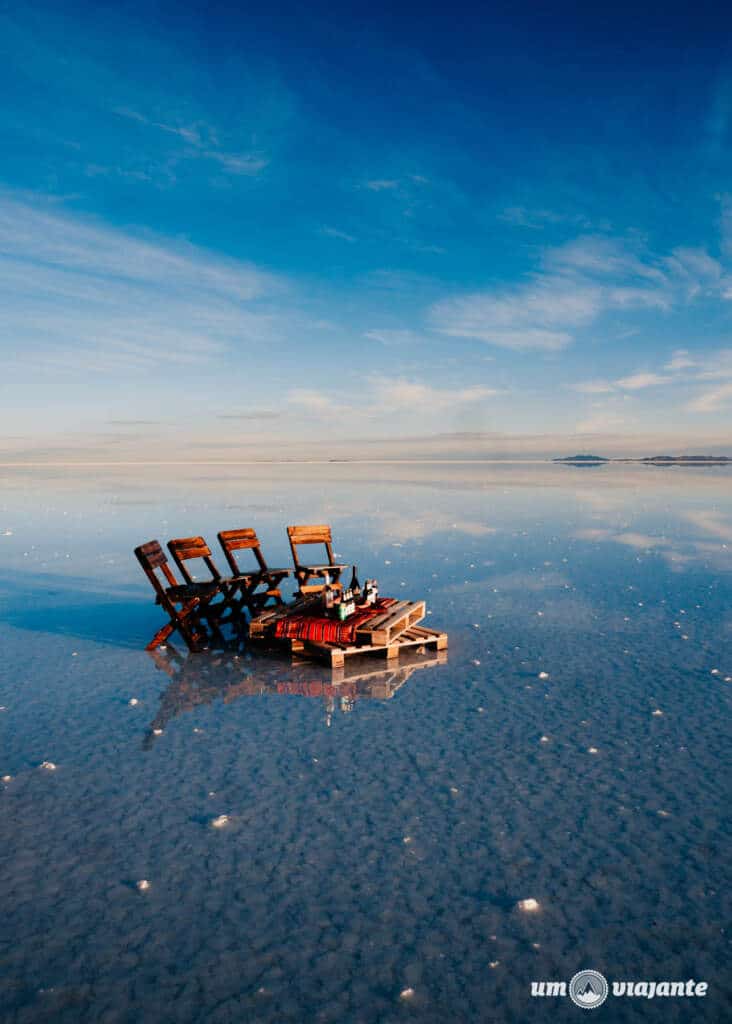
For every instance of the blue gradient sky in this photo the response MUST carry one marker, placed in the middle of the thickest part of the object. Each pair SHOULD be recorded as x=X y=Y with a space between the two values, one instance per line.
x=221 y=227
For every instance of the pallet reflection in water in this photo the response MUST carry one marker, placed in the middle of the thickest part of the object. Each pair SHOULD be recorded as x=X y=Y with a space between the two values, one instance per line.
x=201 y=678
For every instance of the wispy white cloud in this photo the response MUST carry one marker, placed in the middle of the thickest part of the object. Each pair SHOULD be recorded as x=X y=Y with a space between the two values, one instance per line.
x=527 y=218
x=394 y=337
x=189 y=133
x=203 y=142
x=602 y=258
x=594 y=387
x=632 y=382
x=680 y=360
x=539 y=315
x=682 y=372
x=381 y=184
x=316 y=403
x=386 y=396
x=575 y=284
x=249 y=164
x=601 y=422
x=638 y=381
x=712 y=400
x=82 y=297
x=404 y=394
x=337 y=233
x=706 y=368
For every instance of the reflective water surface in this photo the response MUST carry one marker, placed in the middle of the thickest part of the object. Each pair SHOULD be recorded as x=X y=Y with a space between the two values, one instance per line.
x=360 y=847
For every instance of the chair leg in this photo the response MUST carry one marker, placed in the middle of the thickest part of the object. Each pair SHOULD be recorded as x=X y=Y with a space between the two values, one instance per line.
x=161 y=636
x=190 y=625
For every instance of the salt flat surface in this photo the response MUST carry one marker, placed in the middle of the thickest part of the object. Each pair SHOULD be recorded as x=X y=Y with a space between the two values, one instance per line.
x=554 y=796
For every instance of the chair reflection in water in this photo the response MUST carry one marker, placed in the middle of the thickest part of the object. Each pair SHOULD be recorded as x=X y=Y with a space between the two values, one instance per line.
x=197 y=679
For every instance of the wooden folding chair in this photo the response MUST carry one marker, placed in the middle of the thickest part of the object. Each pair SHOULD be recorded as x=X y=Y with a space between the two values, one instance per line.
x=186 y=604
x=300 y=535
x=249 y=581
x=185 y=549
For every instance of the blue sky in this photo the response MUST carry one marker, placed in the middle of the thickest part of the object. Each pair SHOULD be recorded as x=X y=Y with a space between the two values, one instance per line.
x=226 y=230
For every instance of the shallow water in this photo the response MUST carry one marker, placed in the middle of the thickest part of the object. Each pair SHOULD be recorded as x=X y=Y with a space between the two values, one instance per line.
x=381 y=831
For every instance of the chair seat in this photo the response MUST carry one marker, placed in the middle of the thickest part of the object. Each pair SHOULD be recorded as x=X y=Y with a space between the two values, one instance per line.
x=320 y=569
x=187 y=590
x=256 y=574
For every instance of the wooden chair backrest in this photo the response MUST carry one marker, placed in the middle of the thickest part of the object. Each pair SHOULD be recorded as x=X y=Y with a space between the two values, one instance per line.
x=238 y=540
x=152 y=558
x=184 y=548
x=318 y=534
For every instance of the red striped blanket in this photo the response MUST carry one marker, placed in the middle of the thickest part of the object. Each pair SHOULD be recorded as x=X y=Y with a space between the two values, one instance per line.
x=322 y=630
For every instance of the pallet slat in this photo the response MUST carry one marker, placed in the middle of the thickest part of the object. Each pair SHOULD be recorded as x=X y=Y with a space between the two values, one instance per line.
x=386 y=628
x=336 y=655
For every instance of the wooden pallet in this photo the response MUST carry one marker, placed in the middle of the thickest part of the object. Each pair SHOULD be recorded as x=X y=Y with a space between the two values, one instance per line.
x=266 y=620
x=335 y=654
x=383 y=629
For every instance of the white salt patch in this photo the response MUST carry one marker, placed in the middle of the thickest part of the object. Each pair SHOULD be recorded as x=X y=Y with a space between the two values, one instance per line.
x=221 y=821
x=529 y=906
x=48 y=766
x=143 y=885
x=543 y=675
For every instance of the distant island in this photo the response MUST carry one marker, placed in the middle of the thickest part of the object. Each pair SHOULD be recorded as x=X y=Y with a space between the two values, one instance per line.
x=650 y=460
x=583 y=460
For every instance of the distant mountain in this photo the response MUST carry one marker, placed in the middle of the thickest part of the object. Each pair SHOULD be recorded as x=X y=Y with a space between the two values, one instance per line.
x=650 y=460
x=694 y=459
x=582 y=460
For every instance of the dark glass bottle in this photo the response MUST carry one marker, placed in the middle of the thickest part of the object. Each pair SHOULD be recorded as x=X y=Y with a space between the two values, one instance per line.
x=355 y=587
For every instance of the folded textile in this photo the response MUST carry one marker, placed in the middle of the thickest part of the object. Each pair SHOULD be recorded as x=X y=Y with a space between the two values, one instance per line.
x=321 y=630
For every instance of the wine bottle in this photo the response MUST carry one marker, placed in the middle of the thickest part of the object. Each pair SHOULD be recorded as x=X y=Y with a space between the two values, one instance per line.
x=328 y=595
x=355 y=585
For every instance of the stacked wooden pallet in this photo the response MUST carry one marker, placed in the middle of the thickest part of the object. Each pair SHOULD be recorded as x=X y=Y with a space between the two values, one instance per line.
x=388 y=633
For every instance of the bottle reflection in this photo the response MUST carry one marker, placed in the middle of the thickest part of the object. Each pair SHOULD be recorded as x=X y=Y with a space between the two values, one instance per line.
x=197 y=679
